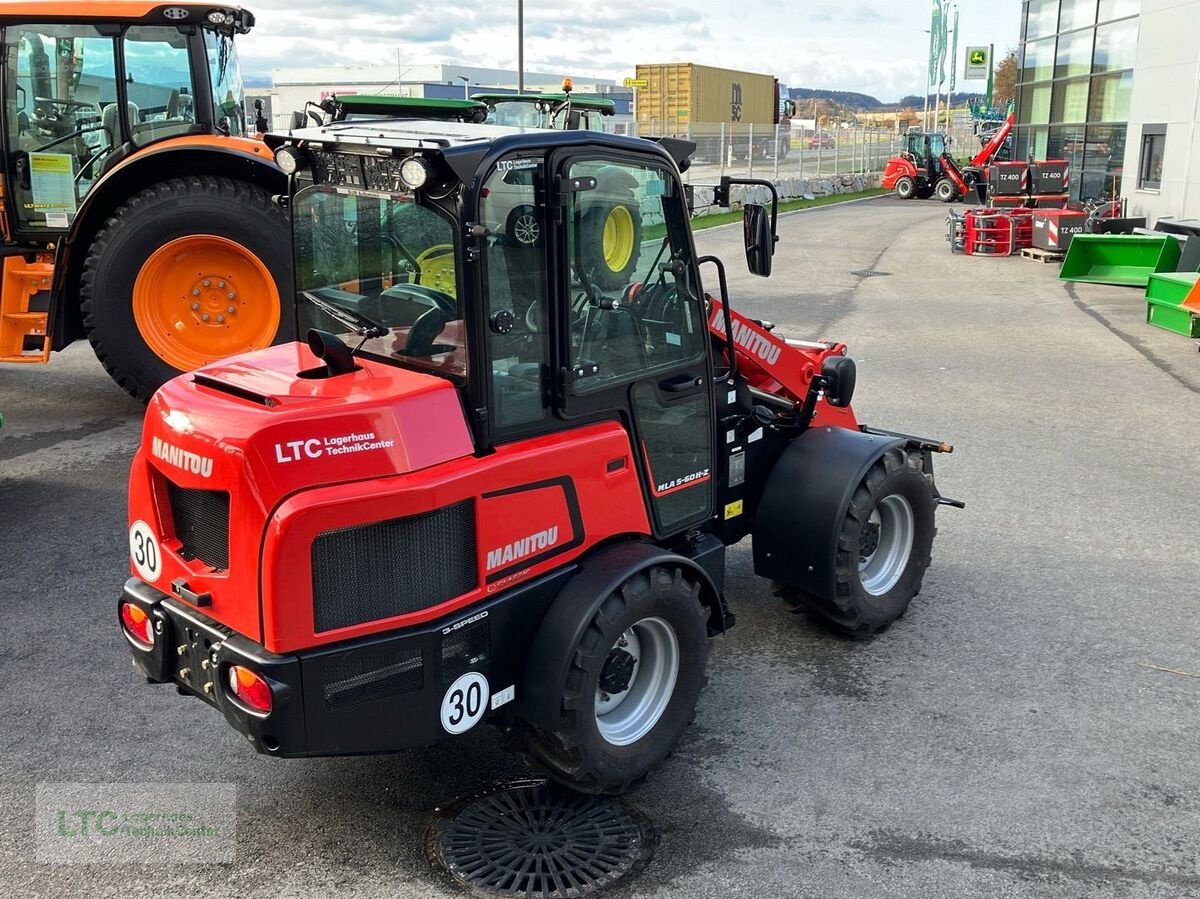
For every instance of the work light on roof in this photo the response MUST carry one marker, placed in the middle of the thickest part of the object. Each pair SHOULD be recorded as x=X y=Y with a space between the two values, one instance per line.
x=217 y=17
x=290 y=160
x=414 y=172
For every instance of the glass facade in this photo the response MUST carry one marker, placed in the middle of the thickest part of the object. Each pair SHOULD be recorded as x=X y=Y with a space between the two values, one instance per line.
x=1074 y=80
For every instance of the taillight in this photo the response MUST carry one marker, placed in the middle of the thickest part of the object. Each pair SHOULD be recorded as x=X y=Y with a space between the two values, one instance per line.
x=137 y=625
x=249 y=688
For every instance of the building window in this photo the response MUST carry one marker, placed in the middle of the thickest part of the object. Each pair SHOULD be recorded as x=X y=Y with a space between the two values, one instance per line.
x=1118 y=9
x=1076 y=14
x=1154 y=145
x=1042 y=18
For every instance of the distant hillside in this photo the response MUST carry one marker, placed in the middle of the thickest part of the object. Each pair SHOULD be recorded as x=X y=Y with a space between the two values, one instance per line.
x=865 y=102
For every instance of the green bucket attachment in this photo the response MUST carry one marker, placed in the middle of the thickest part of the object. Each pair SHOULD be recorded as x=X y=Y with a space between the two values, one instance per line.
x=1165 y=296
x=1125 y=259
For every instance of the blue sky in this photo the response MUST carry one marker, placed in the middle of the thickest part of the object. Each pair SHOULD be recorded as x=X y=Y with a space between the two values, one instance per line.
x=875 y=47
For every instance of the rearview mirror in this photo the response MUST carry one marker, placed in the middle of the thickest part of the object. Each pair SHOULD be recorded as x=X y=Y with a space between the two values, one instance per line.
x=760 y=243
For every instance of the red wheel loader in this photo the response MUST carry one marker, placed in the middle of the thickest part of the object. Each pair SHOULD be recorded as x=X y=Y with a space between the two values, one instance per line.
x=924 y=169
x=497 y=480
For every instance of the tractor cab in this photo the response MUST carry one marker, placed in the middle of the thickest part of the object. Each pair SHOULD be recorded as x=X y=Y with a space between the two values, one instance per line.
x=925 y=149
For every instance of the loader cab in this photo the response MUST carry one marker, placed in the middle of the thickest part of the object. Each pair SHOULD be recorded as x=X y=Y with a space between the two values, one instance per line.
x=81 y=93
x=551 y=276
x=925 y=149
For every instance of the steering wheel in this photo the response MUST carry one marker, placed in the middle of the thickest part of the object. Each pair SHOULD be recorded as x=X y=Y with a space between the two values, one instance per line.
x=427 y=295
x=70 y=104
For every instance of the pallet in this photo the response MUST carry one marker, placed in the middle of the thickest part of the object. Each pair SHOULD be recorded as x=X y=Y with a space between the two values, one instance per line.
x=1039 y=255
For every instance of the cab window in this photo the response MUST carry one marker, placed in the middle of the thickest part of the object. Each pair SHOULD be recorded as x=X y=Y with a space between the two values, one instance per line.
x=514 y=278
x=225 y=75
x=633 y=303
x=158 y=83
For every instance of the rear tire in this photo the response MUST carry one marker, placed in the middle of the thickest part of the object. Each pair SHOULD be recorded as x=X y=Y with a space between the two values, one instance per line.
x=233 y=223
x=649 y=636
x=946 y=190
x=612 y=243
x=906 y=188
x=883 y=549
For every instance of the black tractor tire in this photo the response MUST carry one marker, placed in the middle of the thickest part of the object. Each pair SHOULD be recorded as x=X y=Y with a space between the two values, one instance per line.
x=599 y=270
x=946 y=190
x=855 y=612
x=179 y=207
x=576 y=753
x=524 y=227
x=924 y=192
x=906 y=188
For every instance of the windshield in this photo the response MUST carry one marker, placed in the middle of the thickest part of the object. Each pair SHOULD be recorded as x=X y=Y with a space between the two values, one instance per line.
x=518 y=114
x=388 y=259
x=229 y=95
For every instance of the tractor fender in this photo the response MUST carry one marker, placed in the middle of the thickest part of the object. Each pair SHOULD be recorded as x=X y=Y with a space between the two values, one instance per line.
x=804 y=502
x=895 y=168
x=548 y=660
x=173 y=158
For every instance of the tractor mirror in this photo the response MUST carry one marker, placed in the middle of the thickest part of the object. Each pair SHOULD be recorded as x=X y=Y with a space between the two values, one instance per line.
x=760 y=242
x=840 y=374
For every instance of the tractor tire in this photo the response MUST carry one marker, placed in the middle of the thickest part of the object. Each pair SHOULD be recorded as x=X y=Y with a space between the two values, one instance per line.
x=166 y=269
x=635 y=676
x=946 y=190
x=523 y=227
x=612 y=243
x=883 y=549
x=906 y=188
x=924 y=193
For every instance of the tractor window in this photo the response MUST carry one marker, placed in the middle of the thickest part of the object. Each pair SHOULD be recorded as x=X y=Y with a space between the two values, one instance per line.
x=633 y=301
x=388 y=258
x=515 y=288
x=60 y=85
x=158 y=83
x=229 y=97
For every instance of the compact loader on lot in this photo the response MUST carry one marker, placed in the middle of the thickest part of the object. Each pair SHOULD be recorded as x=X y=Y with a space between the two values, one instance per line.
x=498 y=479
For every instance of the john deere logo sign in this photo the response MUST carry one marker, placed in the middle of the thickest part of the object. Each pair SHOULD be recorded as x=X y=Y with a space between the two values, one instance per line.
x=978 y=62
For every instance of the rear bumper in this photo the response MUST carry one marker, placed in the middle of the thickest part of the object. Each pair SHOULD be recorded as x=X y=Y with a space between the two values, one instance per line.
x=375 y=694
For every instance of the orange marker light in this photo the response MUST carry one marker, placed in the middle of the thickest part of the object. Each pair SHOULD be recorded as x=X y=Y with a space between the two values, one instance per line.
x=249 y=688
x=568 y=85
x=137 y=625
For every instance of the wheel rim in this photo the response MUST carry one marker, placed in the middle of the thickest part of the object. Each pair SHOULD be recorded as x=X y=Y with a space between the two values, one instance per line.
x=645 y=661
x=436 y=267
x=886 y=545
x=201 y=298
x=526 y=229
x=618 y=238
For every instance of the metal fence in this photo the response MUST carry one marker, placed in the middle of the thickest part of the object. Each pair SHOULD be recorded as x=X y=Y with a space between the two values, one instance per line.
x=766 y=151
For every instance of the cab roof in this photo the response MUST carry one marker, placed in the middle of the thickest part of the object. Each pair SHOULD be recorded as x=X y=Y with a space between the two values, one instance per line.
x=595 y=104
x=183 y=12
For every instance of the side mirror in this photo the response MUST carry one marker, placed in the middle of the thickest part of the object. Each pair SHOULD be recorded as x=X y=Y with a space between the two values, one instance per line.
x=841 y=374
x=760 y=242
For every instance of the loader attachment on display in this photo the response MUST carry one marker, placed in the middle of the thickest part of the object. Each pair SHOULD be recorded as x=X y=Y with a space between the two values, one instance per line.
x=1121 y=259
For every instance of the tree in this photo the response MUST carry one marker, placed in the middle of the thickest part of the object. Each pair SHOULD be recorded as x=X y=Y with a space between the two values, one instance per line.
x=1004 y=87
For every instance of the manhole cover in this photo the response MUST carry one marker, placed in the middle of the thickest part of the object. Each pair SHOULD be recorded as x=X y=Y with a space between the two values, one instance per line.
x=869 y=273
x=539 y=841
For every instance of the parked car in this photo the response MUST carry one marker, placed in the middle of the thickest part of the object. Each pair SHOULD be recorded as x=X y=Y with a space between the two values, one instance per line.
x=821 y=139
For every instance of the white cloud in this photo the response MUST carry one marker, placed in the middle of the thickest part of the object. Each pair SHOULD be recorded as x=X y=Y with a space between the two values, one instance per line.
x=875 y=47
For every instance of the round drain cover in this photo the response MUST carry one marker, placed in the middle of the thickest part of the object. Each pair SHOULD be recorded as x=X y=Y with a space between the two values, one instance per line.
x=539 y=841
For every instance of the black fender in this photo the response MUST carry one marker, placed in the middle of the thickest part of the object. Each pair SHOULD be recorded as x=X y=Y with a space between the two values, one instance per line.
x=549 y=656
x=804 y=503
x=125 y=179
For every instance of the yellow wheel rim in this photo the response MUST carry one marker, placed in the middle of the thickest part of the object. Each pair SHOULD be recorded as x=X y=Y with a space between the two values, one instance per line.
x=618 y=238
x=201 y=298
x=436 y=267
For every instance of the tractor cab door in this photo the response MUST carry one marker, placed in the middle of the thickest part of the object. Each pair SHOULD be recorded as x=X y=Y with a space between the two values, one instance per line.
x=631 y=330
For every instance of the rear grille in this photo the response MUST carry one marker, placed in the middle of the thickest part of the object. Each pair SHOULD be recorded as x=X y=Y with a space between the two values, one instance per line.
x=201 y=519
x=393 y=567
x=464 y=650
x=372 y=674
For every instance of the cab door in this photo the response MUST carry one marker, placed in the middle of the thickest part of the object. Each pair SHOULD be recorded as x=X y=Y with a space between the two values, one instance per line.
x=632 y=331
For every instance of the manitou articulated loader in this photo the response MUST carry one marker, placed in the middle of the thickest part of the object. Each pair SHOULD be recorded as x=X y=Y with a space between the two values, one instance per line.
x=924 y=168
x=498 y=478
x=136 y=198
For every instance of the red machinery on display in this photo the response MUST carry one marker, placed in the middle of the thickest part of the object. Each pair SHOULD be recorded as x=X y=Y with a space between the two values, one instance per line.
x=925 y=169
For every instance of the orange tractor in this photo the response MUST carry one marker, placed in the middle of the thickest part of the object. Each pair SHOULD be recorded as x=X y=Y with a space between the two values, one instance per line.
x=136 y=197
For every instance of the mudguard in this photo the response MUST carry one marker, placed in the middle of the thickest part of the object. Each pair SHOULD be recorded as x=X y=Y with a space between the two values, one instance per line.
x=549 y=658
x=805 y=501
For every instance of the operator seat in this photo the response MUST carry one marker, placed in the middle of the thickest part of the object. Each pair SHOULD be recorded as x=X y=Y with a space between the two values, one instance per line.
x=110 y=125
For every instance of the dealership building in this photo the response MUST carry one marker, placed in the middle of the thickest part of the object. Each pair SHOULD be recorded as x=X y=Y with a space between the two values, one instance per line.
x=1113 y=87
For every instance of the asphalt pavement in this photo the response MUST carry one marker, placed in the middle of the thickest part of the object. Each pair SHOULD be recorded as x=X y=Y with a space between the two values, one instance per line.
x=1028 y=729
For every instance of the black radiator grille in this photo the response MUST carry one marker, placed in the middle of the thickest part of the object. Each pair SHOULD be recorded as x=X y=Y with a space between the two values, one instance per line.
x=465 y=649
x=372 y=674
x=393 y=567
x=201 y=520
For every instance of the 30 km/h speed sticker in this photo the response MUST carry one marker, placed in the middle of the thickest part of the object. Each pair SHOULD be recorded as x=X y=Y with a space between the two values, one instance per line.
x=465 y=702
x=143 y=550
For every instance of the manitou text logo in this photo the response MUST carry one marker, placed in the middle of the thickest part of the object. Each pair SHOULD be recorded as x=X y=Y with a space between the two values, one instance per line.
x=181 y=459
x=519 y=549
x=753 y=342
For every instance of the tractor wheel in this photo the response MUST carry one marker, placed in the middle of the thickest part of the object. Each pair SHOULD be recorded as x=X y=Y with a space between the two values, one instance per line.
x=612 y=243
x=635 y=676
x=925 y=192
x=905 y=187
x=523 y=227
x=186 y=272
x=946 y=190
x=883 y=549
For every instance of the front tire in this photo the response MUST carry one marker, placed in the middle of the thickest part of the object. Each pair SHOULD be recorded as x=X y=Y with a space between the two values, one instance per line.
x=187 y=272
x=612 y=243
x=883 y=548
x=906 y=188
x=631 y=691
x=946 y=190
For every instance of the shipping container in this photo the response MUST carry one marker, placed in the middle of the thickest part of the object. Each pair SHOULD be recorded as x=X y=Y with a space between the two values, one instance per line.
x=694 y=101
